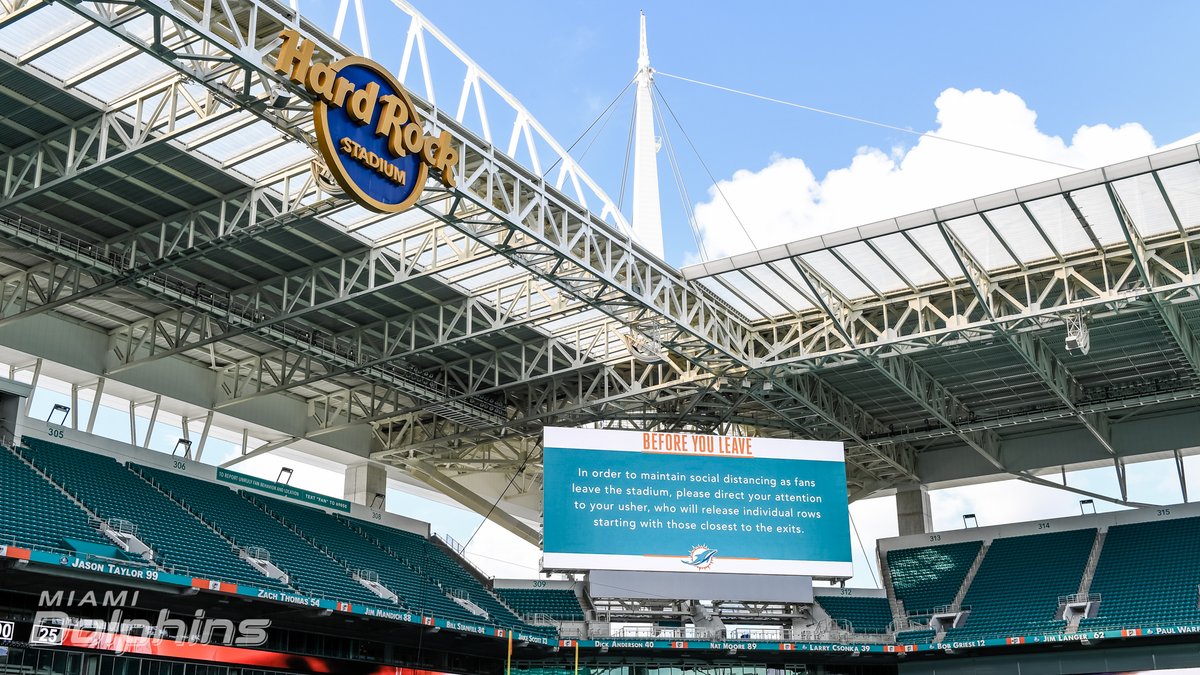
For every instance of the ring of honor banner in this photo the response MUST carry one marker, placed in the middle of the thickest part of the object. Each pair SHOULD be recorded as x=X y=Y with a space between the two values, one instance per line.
x=679 y=502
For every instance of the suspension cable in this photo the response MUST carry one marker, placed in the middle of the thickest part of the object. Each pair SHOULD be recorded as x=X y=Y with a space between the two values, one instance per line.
x=862 y=120
x=589 y=128
x=711 y=177
x=680 y=184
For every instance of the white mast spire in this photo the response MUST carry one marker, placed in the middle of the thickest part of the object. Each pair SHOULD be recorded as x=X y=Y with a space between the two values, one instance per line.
x=647 y=211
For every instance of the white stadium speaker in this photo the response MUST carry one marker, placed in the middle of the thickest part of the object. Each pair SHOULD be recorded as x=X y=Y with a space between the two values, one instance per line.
x=1078 y=336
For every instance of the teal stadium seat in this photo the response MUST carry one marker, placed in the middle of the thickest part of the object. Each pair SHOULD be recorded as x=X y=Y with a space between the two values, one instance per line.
x=929 y=577
x=560 y=604
x=1148 y=575
x=180 y=541
x=309 y=570
x=35 y=514
x=865 y=615
x=1016 y=590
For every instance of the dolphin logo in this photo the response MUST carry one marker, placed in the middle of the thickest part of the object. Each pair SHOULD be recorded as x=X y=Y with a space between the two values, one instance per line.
x=701 y=557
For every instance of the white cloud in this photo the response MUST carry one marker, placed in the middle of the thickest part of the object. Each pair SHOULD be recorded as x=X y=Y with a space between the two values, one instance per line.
x=784 y=201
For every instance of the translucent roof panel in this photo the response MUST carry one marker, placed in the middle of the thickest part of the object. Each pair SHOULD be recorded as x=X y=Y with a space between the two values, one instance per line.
x=479 y=274
x=906 y=258
x=979 y=239
x=353 y=215
x=558 y=326
x=734 y=301
x=1145 y=204
x=230 y=145
x=786 y=284
x=865 y=261
x=1097 y=209
x=1012 y=225
x=124 y=77
x=761 y=294
x=1180 y=183
x=933 y=244
x=82 y=53
x=37 y=28
x=833 y=271
x=276 y=160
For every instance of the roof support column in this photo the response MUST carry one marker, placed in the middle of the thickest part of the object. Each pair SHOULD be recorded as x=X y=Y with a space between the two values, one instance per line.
x=913 y=515
x=366 y=484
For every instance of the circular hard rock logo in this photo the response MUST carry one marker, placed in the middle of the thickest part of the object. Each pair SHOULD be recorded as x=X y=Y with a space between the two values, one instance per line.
x=369 y=133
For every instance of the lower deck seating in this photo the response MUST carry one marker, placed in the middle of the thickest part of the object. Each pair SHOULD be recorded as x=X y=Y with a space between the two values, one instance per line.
x=863 y=614
x=435 y=564
x=356 y=552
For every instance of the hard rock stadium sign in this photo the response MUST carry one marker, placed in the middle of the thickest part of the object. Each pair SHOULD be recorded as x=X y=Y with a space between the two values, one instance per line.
x=368 y=130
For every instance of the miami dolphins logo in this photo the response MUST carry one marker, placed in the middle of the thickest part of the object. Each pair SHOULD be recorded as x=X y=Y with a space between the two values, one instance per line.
x=701 y=557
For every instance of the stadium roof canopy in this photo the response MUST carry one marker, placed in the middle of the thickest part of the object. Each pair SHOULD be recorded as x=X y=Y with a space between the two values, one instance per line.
x=164 y=230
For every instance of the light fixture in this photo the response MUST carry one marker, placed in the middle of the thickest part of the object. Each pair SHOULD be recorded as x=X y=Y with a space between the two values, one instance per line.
x=285 y=476
x=59 y=408
x=969 y=520
x=377 y=501
x=185 y=445
x=1078 y=337
x=1084 y=504
x=279 y=97
x=643 y=348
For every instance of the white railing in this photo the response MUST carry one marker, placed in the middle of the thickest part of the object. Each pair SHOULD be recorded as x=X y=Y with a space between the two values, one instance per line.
x=122 y=526
x=258 y=553
x=452 y=543
x=1078 y=598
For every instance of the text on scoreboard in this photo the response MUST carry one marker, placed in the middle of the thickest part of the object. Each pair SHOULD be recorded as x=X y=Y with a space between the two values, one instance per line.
x=631 y=500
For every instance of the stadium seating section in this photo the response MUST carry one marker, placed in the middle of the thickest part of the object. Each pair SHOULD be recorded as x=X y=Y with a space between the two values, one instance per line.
x=34 y=513
x=1019 y=582
x=202 y=528
x=929 y=577
x=309 y=570
x=557 y=603
x=342 y=540
x=180 y=541
x=864 y=615
x=1147 y=575
x=439 y=569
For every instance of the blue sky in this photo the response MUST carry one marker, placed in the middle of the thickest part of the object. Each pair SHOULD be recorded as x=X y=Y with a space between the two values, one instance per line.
x=1074 y=63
